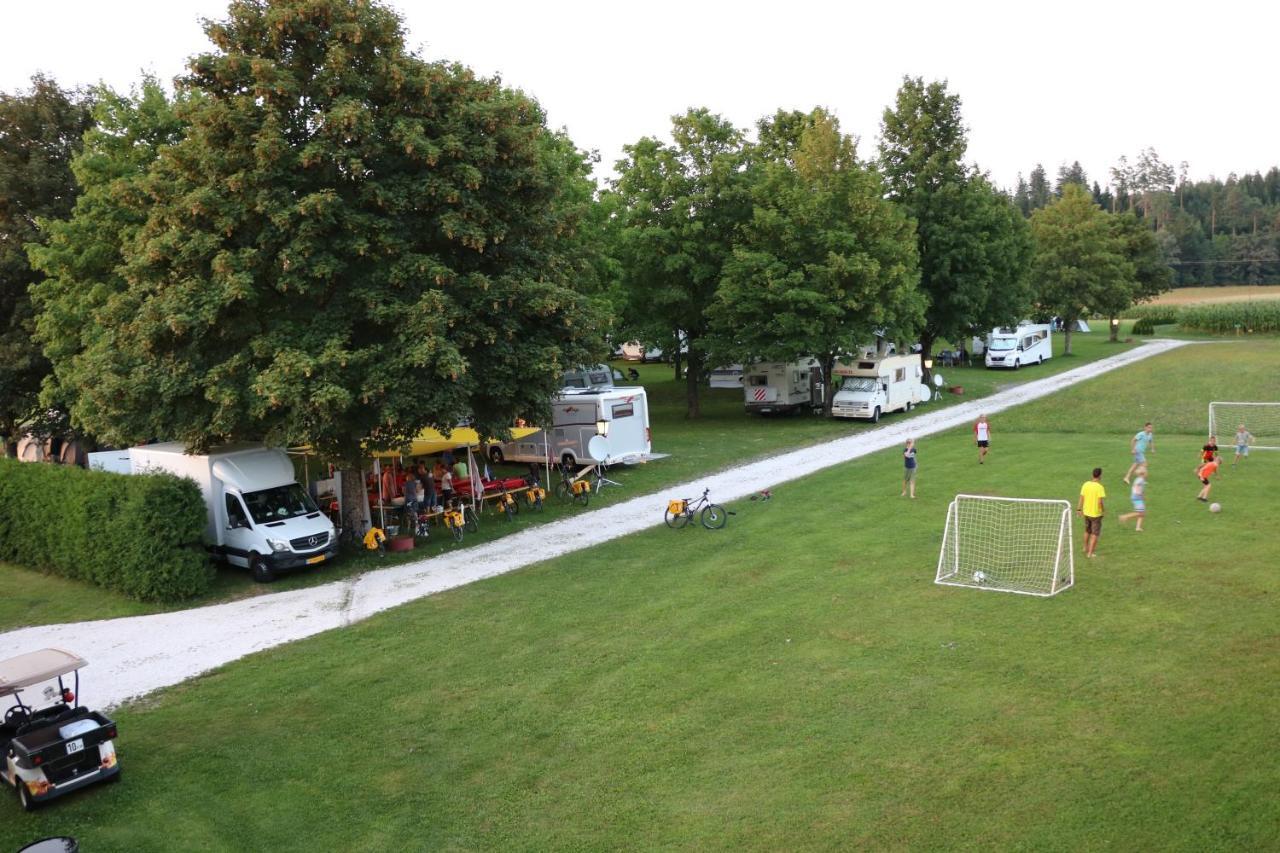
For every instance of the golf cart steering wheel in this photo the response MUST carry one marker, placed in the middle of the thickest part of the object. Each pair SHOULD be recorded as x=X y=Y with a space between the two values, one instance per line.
x=16 y=715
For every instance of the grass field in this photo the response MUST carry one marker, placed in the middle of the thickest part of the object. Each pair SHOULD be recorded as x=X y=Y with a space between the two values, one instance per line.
x=1228 y=293
x=724 y=436
x=795 y=681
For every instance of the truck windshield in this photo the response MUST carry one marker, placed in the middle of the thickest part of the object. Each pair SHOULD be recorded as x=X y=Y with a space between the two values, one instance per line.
x=1004 y=343
x=858 y=383
x=279 y=503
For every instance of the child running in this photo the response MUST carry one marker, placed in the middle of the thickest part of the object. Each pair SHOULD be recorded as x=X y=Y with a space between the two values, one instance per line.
x=1138 y=497
x=1209 y=452
x=1204 y=472
x=1244 y=438
x=982 y=435
x=1142 y=443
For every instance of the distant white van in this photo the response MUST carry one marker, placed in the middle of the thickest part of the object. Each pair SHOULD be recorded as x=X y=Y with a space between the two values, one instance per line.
x=1029 y=343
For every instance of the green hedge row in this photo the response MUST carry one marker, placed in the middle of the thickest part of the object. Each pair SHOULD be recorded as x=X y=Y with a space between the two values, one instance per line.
x=139 y=535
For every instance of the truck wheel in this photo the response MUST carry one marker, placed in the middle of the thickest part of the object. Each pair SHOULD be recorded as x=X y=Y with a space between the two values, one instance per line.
x=910 y=405
x=568 y=460
x=260 y=568
x=875 y=415
x=1017 y=364
x=495 y=455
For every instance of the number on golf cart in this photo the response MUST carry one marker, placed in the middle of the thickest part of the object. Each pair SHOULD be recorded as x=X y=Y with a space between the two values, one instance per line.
x=75 y=745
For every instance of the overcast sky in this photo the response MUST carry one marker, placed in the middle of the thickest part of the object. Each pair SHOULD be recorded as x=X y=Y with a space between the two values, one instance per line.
x=1040 y=82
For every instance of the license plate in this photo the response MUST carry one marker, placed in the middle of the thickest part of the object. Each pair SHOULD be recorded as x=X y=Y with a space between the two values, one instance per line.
x=319 y=559
x=75 y=745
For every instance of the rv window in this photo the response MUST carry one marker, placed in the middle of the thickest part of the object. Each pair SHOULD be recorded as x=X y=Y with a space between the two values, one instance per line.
x=858 y=383
x=623 y=410
x=575 y=382
x=900 y=375
x=599 y=378
x=1004 y=343
x=235 y=513
x=279 y=503
x=759 y=380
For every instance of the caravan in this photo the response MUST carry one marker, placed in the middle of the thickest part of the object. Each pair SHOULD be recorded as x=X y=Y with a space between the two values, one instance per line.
x=1029 y=343
x=725 y=377
x=769 y=388
x=875 y=385
x=620 y=415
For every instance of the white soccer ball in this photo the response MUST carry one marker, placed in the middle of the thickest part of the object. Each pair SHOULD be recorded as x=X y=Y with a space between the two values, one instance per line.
x=1215 y=507
x=979 y=577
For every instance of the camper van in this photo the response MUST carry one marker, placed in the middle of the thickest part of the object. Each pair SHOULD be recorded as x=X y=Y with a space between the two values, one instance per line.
x=871 y=387
x=725 y=377
x=595 y=376
x=257 y=515
x=576 y=416
x=772 y=387
x=1029 y=343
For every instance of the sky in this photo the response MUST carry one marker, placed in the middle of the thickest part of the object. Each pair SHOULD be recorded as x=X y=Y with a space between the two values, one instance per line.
x=1039 y=82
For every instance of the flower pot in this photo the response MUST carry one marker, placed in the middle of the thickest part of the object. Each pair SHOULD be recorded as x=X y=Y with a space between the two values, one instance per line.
x=400 y=543
x=956 y=389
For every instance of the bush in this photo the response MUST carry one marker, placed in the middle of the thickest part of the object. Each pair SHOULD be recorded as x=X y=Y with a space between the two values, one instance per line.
x=1144 y=326
x=1154 y=315
x=139 y=535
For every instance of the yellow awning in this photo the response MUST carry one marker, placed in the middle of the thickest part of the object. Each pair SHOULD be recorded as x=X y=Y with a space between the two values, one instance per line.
x=430 y=442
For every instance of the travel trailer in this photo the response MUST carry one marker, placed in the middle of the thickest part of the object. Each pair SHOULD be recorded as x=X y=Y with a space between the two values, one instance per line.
x=873 y=386
x=619 y=415
x=257 y=515
x=1029 y=343
x=773 y=387
x=726 y=377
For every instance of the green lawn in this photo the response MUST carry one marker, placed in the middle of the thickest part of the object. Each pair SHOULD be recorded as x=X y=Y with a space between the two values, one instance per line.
x=795 y=681
x=724 y=436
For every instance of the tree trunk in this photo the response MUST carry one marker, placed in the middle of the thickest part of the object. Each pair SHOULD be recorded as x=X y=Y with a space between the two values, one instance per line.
x=675 y=361
x=11 y=449
x=828 y=383
x=354 y=500
x=926 y=354
x=693 y=374
x=1068 y=324
x=1115 y=329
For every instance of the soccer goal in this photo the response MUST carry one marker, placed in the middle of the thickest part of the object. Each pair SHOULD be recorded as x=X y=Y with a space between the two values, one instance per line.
x=1260 y=419
x=1007 y=544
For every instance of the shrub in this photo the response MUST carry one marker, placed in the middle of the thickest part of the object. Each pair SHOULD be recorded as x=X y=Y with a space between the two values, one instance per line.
x=1143 y=326
x=1155 y=315
x=139 y=535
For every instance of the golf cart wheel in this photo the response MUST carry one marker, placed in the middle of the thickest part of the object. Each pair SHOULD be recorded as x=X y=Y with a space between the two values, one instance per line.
x=675 y=520
x=714 y=517
x=260 y=568
x=113 y=779
x=24 y=798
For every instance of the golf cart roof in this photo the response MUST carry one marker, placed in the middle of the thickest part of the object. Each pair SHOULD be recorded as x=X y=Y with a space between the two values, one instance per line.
x=35 y=667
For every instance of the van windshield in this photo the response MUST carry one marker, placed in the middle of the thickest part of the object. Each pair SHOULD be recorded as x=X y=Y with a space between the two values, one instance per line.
x=858 y=383
x=279 y=503
x=1004 y=343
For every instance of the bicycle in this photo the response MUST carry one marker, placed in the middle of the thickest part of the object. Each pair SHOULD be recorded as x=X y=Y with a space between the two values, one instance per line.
x=569 y=489
x=458 y=518
x=509 y=506
x=680 y=512
x=534 y=496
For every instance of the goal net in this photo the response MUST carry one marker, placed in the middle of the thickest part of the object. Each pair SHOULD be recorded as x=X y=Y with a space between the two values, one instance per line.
x=1260 y=419
x=1007 y=544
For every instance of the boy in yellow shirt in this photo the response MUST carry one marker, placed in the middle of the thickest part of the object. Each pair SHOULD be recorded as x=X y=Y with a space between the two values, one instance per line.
x=1090 y=507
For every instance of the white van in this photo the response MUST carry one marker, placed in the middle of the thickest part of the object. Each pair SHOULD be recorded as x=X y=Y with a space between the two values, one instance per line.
x=772 y=387
x=870 y=387
x=258 y=516
x=1029 y=343
x=574 y=418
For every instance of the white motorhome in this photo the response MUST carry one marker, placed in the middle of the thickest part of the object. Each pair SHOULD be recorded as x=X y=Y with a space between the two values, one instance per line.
x=575 y=419
x=875 y=385
x=773 y=387
x=636 y=351
x=725 y=377
x=258 y=516
x=1029 y=343
x=595 y=376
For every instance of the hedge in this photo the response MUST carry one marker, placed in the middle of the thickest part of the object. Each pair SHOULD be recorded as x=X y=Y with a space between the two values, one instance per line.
x=139 y=535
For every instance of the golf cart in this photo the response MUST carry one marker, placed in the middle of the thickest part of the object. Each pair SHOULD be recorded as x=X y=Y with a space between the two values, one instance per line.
x=60 y=746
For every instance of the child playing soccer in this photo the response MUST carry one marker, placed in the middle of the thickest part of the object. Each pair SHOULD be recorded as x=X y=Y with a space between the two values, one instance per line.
x=982 y=435
x=1204 y=472
x=1244 y=438
x=1209 y=452
x=1138 y=496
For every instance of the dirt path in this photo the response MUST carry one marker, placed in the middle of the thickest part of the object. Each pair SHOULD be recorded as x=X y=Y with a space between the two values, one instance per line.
x=138 y=654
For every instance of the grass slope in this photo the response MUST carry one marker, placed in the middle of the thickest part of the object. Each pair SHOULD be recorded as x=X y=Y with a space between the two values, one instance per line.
x=795 y=681
x=724 y=436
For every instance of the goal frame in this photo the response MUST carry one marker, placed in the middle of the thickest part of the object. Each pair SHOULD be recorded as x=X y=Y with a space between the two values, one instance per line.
x=1231 y=430
x=1064 y=556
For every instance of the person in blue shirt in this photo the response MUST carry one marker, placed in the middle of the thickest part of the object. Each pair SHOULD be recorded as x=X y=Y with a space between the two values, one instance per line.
x=1140 y=445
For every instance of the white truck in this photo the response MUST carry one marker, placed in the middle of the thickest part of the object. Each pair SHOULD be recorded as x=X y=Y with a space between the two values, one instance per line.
x=775 y=387
x=258 y=516
x=874 y=385
x=1029 y=343
x=620 y=415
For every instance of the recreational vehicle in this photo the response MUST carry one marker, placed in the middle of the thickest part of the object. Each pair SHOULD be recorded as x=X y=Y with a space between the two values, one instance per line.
x=619 y=415
x=1029 y=343
x=257 y=515
x=595 y=377
x=871 y=387
x=636 y=351
x=769 y=388
x=726 y=377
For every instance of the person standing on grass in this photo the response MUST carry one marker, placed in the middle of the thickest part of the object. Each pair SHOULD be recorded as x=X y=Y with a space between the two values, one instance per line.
x=909 y=468
x=1138 y=496
x=1204 y=472
x=1090 y=506
x=1209 y=452
x=1244 y=438
x=982 y=435
x=1140 y=445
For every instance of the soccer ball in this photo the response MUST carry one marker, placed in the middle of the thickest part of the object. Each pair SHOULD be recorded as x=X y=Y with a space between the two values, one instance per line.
x=979 y=577
x=1215 y=507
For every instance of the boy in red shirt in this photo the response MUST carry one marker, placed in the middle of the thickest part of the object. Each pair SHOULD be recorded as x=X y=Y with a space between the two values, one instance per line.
x=1204 y=472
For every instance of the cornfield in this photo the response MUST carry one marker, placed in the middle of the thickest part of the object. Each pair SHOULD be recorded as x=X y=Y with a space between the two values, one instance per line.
x=1225 y=318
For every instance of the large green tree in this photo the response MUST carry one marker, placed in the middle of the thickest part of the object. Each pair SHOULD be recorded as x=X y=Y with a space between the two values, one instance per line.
x=825 y=261
x=1080 y=264
x=973 y=242
x=1151 y=274
x=681 y=205
x=348 y=244
x=40 y=132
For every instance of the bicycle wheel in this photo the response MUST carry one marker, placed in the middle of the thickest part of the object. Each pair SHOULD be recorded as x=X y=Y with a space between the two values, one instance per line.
x=582 y=497
x=470 y=515
x=563 y=493
x=537 y=502
x=456 y=530
x=515 y=506
x=508 y=509
x=714 y=517
x=675 y=520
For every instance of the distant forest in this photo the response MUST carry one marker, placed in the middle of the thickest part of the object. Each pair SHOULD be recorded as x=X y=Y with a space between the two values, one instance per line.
x=1210 y=232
